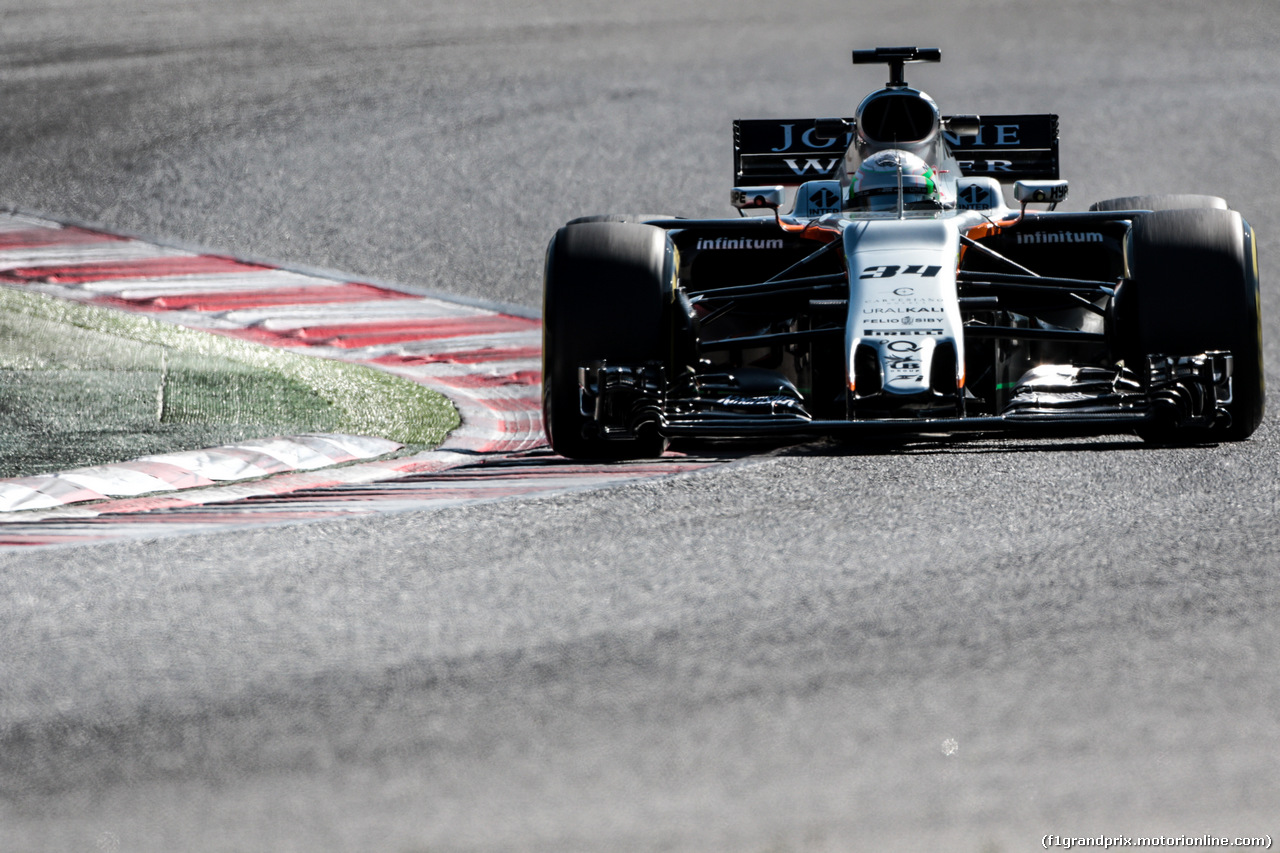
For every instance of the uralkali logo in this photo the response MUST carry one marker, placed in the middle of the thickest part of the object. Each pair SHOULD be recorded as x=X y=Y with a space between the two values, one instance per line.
x=739 y=243
x=1060 y=237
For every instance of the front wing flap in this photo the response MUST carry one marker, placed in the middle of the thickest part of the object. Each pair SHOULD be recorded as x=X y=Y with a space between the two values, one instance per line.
x=1175 y=391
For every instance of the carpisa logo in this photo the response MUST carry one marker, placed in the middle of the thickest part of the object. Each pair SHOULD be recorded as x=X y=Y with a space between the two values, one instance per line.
x=738 y=243
x=1060 y=237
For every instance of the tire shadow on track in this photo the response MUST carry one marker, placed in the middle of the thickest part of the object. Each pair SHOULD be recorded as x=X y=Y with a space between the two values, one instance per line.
x=968 y=446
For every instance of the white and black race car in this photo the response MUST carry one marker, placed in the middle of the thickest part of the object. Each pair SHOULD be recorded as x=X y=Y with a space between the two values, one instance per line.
x=901 y=294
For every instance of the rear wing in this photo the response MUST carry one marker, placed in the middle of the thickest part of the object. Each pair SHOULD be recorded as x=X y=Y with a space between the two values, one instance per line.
x=790 y=151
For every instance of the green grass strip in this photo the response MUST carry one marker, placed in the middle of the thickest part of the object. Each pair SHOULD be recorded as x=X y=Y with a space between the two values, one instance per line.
x=82 y=385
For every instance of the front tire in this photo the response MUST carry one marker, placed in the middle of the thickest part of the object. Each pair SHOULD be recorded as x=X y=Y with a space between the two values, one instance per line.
x=607 y=296
x=1192 y=288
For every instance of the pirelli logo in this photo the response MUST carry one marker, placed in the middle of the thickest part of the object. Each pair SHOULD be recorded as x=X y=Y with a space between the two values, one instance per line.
x=901 y=333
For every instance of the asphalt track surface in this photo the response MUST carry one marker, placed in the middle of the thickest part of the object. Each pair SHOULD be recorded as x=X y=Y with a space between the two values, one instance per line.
x=950 y=646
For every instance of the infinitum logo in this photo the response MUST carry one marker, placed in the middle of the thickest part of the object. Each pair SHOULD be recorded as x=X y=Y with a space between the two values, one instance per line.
x=1060 y=237
x=742 y=243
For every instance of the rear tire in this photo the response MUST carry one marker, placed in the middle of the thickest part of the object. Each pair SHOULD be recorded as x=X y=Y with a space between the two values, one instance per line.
x=1193 y=288
x=1183 y=201
x=607 y=296
x=620 y=217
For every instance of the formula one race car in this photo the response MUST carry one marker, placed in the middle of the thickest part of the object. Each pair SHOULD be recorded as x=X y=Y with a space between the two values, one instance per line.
x=901 y=294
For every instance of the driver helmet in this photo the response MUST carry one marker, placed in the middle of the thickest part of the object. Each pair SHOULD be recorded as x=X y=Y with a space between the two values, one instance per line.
x=875 y=184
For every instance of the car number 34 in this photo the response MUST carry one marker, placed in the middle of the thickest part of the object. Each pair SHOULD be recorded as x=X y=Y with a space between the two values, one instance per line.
x=891 y=270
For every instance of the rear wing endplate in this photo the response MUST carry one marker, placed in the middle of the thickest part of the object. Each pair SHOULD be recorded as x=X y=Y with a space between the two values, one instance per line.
x=790 y=151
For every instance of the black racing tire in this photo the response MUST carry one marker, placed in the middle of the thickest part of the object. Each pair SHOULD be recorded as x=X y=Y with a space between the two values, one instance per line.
x=1192 y=288
x=1183 y=201
x=607 y=296
x=620 y=217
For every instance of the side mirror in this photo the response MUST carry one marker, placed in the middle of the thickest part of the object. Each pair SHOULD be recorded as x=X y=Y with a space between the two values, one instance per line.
x=757 y=198
x=1040 y=192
